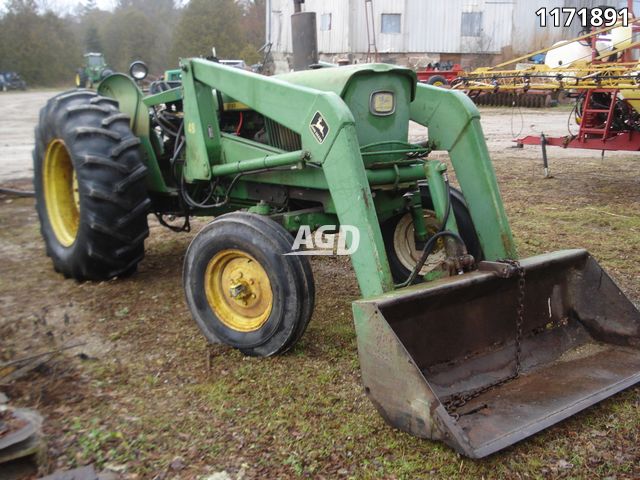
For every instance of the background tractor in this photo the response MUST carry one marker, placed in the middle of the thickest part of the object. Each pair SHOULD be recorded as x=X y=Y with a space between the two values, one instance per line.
x=458 y=340
x=94 y=70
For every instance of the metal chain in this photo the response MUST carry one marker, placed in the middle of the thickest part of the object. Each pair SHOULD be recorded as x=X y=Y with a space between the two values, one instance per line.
x=520 y=312
x=459 y=400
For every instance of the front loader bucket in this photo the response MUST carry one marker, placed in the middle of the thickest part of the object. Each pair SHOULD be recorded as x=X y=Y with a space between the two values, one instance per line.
x=422 y=346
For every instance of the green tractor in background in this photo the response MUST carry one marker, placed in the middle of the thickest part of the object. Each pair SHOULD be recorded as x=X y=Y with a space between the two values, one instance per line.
x=458 y=339
x=95 y=69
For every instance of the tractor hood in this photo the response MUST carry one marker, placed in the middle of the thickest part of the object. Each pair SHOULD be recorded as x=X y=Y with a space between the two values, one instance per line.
x=337 y=79
x=379 y=125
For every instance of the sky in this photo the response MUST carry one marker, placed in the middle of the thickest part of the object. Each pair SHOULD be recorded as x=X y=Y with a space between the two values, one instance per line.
x=71 y=5
x=67 y=6
x=64 y=7
x=102 y=4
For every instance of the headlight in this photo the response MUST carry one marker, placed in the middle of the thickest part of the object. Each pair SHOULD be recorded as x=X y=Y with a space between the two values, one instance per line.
x=383 y=103
x=138 y=70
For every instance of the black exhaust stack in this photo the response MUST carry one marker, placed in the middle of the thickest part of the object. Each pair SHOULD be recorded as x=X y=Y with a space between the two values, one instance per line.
x=304 y=37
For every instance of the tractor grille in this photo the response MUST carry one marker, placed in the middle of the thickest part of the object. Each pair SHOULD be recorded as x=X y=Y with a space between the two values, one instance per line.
x=282 y=137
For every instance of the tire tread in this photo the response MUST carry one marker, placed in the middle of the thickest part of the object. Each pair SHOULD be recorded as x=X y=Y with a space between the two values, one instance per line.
x=112 y=177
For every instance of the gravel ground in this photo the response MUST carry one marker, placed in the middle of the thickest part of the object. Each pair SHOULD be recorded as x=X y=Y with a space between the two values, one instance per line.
x=19 y=118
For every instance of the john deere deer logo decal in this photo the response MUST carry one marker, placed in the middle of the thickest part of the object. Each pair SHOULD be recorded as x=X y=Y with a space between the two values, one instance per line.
x=319 y=127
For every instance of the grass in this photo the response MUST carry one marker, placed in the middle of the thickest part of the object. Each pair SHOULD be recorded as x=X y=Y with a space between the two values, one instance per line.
x=150 y=389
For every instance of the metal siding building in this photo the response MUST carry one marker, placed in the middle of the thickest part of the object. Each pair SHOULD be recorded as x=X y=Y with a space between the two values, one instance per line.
x=528 y=35
x=429 y=28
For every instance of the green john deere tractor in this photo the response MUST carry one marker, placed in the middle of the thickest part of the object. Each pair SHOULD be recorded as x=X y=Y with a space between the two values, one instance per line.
x=95 y=69
x=458 y=339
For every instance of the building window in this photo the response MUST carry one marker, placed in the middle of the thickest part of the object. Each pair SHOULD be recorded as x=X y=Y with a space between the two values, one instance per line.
x=471 y=24
x=325 y=22
x=391 y=23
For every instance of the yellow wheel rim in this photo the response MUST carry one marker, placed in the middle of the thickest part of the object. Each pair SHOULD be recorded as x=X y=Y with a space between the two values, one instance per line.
x=438 y=84
x=61 y=195
x=238 y=290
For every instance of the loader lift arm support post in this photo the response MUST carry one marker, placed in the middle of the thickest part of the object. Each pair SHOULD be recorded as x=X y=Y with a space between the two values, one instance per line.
x=294 y=107
x=454 y=125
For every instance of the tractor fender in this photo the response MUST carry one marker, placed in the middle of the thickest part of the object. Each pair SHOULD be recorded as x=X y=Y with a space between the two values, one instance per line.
x=122 y=88
x=126 y=92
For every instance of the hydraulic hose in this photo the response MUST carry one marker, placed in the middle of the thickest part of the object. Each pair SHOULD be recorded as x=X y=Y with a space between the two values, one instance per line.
x=428 y=248
x=17 y=193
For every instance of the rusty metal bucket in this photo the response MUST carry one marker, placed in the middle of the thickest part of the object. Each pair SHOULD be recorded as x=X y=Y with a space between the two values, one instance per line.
x=422 y=346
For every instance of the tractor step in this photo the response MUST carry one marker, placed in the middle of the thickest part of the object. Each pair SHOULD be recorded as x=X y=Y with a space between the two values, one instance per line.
x=439 y=359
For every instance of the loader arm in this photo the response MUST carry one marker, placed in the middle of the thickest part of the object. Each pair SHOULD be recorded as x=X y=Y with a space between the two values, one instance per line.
x=454 y=125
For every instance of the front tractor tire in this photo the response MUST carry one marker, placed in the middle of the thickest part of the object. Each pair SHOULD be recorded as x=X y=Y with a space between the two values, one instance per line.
x=90 y=185
x=241 y=288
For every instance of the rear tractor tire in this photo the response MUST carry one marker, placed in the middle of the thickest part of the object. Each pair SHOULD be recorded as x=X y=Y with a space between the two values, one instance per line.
x=90 y=185
x=241 y=288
